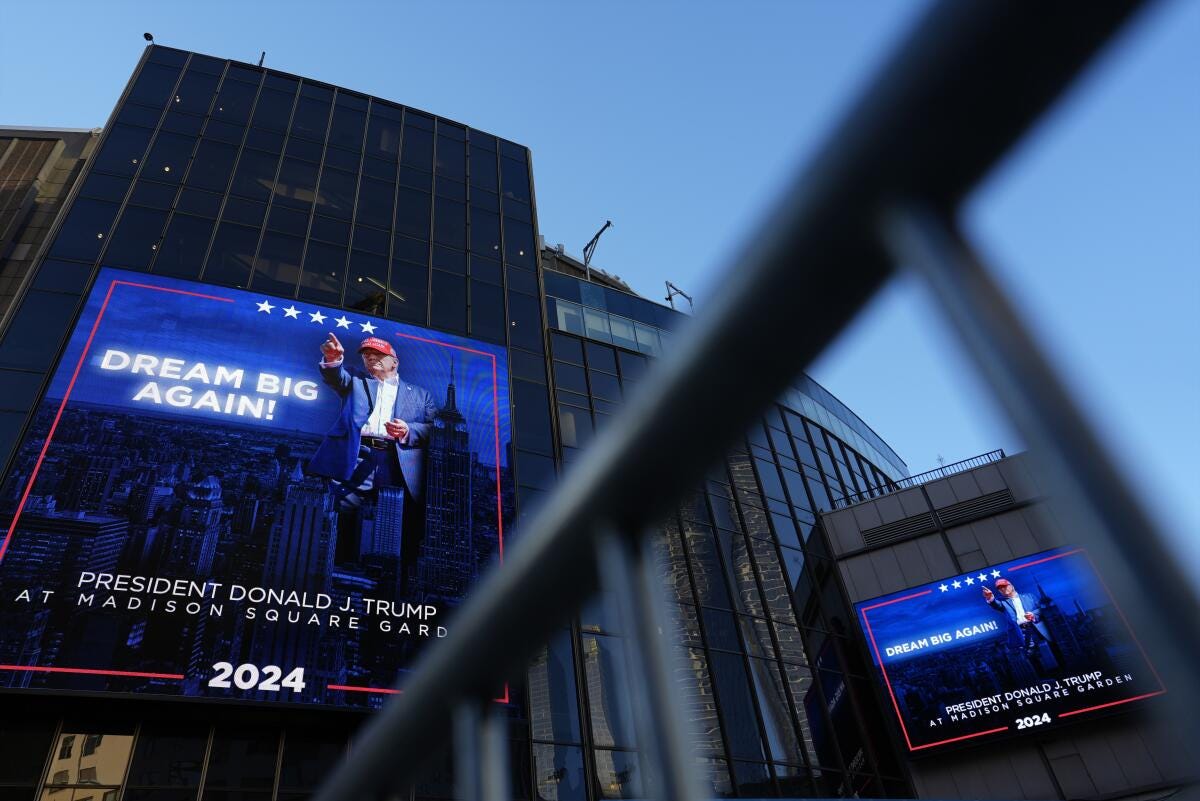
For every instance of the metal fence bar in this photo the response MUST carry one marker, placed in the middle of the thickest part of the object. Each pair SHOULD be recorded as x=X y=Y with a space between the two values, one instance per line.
x=946 y=106
x=632 y=580
x=920 y=478
x=1070 y=461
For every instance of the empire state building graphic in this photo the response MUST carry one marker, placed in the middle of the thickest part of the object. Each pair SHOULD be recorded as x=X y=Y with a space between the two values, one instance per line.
x=447 y=559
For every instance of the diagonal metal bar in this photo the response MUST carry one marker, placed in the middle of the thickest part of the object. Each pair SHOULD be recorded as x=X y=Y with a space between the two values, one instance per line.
x=1071 y=463
x=963 y=87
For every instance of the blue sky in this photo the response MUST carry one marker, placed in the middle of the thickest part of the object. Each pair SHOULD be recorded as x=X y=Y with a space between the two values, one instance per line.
x=680 y=123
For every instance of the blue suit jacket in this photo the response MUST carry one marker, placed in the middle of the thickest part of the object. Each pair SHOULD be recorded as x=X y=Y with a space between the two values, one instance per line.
x=337 y=455
x=1029 y=601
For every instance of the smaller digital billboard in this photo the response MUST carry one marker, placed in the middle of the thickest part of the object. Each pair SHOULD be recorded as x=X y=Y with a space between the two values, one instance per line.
x=1020 y=645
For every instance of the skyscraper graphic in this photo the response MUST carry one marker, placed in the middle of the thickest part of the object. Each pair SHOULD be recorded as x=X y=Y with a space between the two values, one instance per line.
x=447 y=557
x=187 y=542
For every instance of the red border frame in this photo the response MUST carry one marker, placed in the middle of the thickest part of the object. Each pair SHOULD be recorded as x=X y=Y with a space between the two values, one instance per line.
x=887 y=682
x=58 y=416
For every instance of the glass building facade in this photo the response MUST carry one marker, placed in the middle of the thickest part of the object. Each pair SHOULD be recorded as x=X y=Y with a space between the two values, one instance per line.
x=234 y=175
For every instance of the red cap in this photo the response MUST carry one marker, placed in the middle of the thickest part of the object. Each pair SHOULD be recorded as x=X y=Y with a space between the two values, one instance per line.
x=375 y=343
x=1003 y=583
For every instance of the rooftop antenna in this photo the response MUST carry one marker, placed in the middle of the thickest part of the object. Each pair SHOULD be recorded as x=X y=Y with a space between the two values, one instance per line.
x=262 y=58
x=149 y=37
x=673 y=290
x=590 y=248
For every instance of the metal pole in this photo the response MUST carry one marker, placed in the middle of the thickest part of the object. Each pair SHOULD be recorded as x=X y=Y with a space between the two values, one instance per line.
x=1085 y=488
x=481 y=752
x=628 y=572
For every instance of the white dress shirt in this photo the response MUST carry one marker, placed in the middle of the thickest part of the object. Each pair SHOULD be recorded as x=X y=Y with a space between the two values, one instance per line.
x=385 y=404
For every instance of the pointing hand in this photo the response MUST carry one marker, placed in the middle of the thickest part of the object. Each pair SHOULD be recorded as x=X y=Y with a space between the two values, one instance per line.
x=331 y=349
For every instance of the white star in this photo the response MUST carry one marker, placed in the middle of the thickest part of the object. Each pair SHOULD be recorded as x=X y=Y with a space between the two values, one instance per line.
x=943 y=588
x=956 y=584
x=291 y=311
x=982 y=577
x=265 y=306
x=316 y=317
x=342 y=322
x=367 y=328
x=970 y=581
x=995 y=574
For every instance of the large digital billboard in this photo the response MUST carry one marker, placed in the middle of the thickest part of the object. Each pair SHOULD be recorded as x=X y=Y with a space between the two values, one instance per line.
x=230 y=495
x=1022 y=645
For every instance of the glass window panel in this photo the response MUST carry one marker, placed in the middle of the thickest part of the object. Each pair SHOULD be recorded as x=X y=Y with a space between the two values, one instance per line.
x=168 y=158
x=647 y=339
x=372 y=240
x=277 y=267
x=623 y=333
x=33 y=334
x=448 y=302
x=604 y=386
x=246 y=212
x=607 y=685
x=417 y=148
x=153 y=85
x=195 y=92
x=255 y=176
x=412 y=212
x=553 y=706
x=721 y=629
x=524 y=365
x=568 y=376
x=324 y=270
x=86 y=757
x=84 y=231
x=330 y=230
x=304 y=149
x=366 y=288
x=224 y=132
x=24 y=752
x=185 y=124
x=518 y=243
x=485 y=233
x=450 y=223
x=234 y=102
x=341 y=159
x=558 y=773
x=411 y=250
x=269 y=141
x=232 y=255
x=486 y=270
x=288 y=221
x=105 y=187
x=416 y=179
x=618 y=774
x=123 y=150
x=297 y=182
x=450 y=260
x=516 y=210
x=712 y=588
x=515 y=179
x=132 y=114
x=308 y=758
x=483 y=168
x=574 y=426
x=169 y=755
x=184 y=246
x=409 y=292
x=487 y=311
x=311 y=118
x=383 y=137
x=136 y=238
x=375 y=202
x=347 y=128
x=484 y=200
x=61 y=276
x=212 y=166
x=525 y=322
x=532 y=419
x=273 y=110
x=451 y=159
x=152 y=194
x=241 y=758
x=570 y=317
x=522 y=280
x=596 y=324
x=335 y=196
